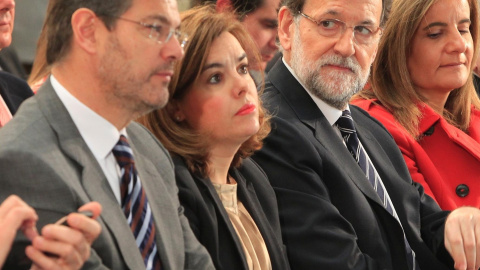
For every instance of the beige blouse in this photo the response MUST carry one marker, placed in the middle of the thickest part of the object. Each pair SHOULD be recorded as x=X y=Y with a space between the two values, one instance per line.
x=253 y=244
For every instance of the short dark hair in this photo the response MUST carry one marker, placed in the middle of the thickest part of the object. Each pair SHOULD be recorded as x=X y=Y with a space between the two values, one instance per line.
x=297 y=5
x=245 y=7
x=240 y=7
x=59 y=27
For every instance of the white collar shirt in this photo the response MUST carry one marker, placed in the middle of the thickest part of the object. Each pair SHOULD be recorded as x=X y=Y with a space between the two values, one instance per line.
x=99 y=134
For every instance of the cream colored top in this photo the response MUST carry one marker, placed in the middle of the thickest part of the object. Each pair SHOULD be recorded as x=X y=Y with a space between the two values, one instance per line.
x=253 y=244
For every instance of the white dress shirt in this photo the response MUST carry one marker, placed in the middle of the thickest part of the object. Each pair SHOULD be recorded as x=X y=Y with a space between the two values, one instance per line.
x=99 y=134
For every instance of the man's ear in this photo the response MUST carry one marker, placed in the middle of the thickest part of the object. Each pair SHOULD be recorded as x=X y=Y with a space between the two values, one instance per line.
x=285 y=28
x=84 y=25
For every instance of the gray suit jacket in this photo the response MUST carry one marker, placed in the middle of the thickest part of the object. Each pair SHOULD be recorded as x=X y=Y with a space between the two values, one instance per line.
x=45 y=161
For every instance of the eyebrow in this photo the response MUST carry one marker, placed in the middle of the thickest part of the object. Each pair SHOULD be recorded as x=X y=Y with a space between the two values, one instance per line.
x=158 y=18
x=335 y=13
x=243 y=56
x=444 y=24
x=218 y=65
x=271 y=21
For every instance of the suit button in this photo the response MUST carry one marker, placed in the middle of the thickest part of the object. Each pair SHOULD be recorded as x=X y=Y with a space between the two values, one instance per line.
x=462 y=190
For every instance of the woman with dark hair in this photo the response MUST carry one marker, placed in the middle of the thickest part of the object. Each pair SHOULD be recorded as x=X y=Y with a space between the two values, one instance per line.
x=422 y=92
x=212 y=123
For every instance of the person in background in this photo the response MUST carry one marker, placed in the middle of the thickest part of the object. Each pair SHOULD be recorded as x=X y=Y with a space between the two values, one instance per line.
x=211 y=125
x=260 y=19
x=74 y=141
x=345 y=196
x=70 y=246
x=422 y=92
x=13 y=91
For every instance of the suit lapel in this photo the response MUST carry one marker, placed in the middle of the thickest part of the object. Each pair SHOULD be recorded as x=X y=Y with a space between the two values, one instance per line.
x=163 y=213
x=311 y=116
x=393 y=183
x=92 y=178
x=210 y=189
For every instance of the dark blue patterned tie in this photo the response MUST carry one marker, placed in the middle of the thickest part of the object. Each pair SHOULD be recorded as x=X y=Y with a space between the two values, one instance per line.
x=135 y=205
x=347 y=128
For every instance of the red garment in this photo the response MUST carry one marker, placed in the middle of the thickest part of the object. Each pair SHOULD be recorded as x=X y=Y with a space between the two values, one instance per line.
x=446 y=161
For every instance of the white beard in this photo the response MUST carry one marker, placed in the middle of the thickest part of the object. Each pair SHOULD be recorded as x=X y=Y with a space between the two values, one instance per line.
x=334 y=88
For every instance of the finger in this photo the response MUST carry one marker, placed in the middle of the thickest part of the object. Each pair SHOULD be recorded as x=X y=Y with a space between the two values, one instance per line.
x=39 y=259
x=93 y=207
x=454 y=242
x=19 y=216
x=477 y=240
x=89 y=227
x=68 y=236
x=10 y=202
x=469 y=240
x=65 y=253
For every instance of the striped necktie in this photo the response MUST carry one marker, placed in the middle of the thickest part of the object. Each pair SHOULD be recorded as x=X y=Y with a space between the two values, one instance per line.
x=347 y=128
x=135 y=205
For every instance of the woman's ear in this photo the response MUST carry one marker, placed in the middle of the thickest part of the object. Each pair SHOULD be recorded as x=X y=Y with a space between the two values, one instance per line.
x=175 y=111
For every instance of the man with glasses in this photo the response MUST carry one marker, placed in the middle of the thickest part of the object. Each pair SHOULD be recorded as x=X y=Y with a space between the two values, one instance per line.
x=111 y=61
x=345 y=196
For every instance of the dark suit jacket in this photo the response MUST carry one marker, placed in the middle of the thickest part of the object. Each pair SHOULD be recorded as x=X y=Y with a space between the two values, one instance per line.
x=45 y=161
x=14 y=91
x=331 y=216
x=9 y=62
x=211 y=224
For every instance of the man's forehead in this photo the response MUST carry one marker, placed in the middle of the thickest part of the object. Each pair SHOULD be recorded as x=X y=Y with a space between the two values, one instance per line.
x=360 y=10
x=167 y=10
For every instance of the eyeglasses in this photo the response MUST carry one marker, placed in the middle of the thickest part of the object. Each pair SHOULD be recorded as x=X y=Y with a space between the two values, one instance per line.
x=362 y=34
x=159 y=32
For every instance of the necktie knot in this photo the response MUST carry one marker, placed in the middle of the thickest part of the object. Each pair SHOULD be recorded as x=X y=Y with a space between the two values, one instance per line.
x=123 y=153
x=345 y=123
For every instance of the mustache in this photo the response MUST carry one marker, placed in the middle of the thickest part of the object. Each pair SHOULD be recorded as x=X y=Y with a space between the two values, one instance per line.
x=346 y=62
x=164 y=67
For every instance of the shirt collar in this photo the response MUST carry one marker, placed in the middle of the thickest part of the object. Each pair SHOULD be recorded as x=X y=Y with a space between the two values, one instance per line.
x=332 y=114
x=99 y=134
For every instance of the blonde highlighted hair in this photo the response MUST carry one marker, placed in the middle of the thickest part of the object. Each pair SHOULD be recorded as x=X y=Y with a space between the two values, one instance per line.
x=391 y=83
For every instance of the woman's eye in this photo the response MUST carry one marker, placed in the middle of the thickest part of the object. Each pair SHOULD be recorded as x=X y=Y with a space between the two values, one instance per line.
x=433 y=35
x=214 y=79
x=243 y=69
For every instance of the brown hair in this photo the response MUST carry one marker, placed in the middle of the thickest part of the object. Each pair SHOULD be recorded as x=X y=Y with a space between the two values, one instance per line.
x=40 y=68
x=58 y=26
x=203 y=25
x=391 y=82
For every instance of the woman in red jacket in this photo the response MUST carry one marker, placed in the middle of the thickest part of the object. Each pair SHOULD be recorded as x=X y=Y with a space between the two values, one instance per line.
x=422 y=92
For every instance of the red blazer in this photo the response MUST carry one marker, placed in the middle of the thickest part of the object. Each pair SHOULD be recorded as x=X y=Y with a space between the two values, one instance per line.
x=446 y=160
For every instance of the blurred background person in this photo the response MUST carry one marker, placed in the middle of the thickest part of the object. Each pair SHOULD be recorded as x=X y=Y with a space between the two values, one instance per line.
x=13 y=91
x=212 y=123
x=260 y=19
x=422 y=92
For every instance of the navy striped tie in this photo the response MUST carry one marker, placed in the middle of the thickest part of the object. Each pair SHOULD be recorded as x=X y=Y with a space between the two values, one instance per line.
x=347 y=128
x=135 y=205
